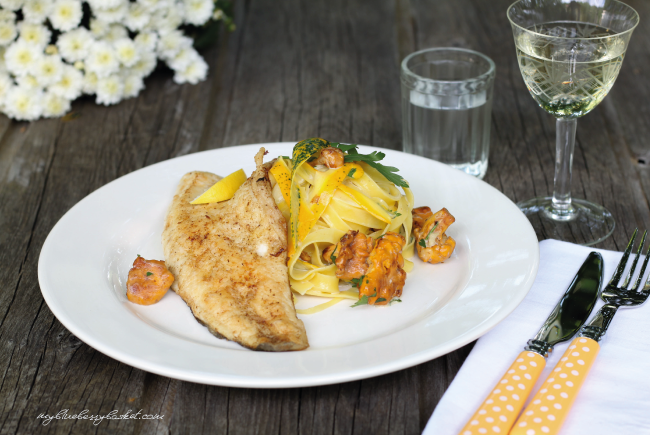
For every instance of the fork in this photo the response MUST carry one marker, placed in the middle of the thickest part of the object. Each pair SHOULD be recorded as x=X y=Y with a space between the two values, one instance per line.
x=550 y=406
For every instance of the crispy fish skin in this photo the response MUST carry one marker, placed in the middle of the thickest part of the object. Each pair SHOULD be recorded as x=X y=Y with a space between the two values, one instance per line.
x=230 y=263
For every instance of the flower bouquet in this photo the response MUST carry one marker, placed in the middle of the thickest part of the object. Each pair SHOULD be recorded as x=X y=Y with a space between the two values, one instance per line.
x=52 y=52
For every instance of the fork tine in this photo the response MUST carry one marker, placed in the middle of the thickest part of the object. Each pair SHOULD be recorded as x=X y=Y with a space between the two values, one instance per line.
x=637 y=284
x=621 y=264
x=634 y=262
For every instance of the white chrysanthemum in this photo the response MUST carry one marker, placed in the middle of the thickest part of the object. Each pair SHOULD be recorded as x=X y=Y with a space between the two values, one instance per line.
x=7 y=15
x=137 y=17
x=195 y=72
x=145 y=65
x=66 y=14
x=70 y=85
x=112 y=15
x=183 y=59
x=133 y=84
x=102 y=59
x=126 y=51
x=115 y=32
x=171 y=43
x=197 y=12
x=24 y=104
x=8 y=32
x=36 y=11
x=54 y=105
x=5 y=86
x=98 y=28
x=49 y=70
x=28 y=82
x=21 y=57
x=75 y=45
x=167 y=20
x=89 y=85
x=35 y=34
x=109 y=90
x=12 y=5
x=3 y=65
x=105 y=4
x=154 y=5
x=146 y=41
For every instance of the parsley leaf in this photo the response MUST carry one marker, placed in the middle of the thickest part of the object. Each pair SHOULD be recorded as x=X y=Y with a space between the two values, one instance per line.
x=138 y=255
x=356 y=282
x=346 y=148
x=149 y=273
x=380 y=300
x=394 y=300
x=422 y=243
x=371 y=159
x=352 y=171
x=333 y=257
x=363 y=300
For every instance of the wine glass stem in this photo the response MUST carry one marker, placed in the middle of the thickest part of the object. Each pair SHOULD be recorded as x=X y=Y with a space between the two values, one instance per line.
x=564 y=143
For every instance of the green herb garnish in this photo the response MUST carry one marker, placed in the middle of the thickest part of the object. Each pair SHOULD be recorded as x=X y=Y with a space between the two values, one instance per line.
x=352 y=171
x=356 y=282
x=380 y=300
x=394 y=300
x=422 y=241
x=371 y=159
x=149 y=273
x=333 y=257
x=363 y=300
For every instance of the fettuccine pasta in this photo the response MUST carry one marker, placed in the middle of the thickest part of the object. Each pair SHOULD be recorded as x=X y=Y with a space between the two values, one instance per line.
x=322 y=204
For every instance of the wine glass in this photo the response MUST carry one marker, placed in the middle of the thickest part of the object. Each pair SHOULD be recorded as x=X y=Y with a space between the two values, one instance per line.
x=569 y=54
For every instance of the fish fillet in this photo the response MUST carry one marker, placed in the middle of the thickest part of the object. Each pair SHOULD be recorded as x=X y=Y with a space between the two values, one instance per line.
x=229 y=260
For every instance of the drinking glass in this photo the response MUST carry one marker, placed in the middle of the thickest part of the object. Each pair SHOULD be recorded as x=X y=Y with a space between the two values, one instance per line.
x=446 y=106
x=569 y=54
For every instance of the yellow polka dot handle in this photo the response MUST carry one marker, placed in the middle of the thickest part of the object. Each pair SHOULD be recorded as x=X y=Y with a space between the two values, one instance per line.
x=550 y=406
x=500 y=409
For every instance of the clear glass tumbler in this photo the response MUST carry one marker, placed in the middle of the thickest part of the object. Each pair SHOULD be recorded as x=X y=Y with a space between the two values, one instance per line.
x=446 y=107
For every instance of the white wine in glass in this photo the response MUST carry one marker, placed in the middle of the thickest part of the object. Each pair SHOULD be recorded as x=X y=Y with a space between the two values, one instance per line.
x=569 y=54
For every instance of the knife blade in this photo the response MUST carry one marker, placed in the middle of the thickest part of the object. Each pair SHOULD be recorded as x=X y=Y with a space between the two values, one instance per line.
x=499 y=411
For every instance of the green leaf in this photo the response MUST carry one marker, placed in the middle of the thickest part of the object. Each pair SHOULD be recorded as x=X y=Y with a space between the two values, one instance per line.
x=149 y=273
x=352 y=171
x=380 y=300
x=362 y=301
x=333 y=257
x=422 y=243
x=394 y=300
x=346 y=148
x=356 y=282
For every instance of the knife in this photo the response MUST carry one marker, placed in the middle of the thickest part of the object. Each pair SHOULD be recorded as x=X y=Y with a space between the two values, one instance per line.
x=498 y=413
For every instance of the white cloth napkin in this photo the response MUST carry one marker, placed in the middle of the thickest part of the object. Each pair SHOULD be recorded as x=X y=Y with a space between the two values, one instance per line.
x=615 y=398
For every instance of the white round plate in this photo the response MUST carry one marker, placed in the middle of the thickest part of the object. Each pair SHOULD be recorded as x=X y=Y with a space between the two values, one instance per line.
x=86 y=258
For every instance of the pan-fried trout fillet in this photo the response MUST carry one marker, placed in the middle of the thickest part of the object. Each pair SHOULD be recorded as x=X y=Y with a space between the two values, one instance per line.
x=229 y=261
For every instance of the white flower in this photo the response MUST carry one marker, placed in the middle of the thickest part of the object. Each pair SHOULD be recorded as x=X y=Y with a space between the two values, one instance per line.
x=24 y=104
x=105 y=4
x=12 y=5
x=28 y=82
x=7 y=32
x=126 y=51
x=35 y=11
x=109 y=90
x=154 y=4
x=89 y=85
x=7 y=15
x=5 y=85
x=167 y=20
x=98 y=28
x=197 y=12
x=70 y=85
x=171 y=43
x=49 y=70
x=137 y=17
x=146 y=41
x=145 y=65
x=21 y=57
x=35 y=34
x=66 y=14
x=183 y=59
x=196 y=71
x=54 y=105
x=133 y=84
x=75 y=45
x=102 y=59
x=112 y=15
x=115 y=32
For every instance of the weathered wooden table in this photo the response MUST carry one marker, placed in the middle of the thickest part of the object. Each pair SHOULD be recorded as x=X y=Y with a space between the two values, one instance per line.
x=292 y=69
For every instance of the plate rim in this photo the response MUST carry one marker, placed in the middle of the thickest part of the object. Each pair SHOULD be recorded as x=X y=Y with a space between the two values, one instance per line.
x=228 y=380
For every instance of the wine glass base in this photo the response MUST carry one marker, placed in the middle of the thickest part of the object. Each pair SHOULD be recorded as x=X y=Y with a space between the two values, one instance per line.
x=584 y=222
